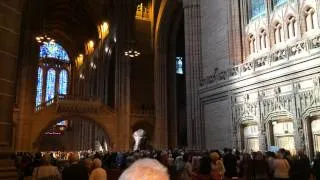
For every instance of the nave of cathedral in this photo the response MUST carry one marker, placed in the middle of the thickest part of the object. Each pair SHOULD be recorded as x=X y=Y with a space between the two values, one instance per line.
x=107 y=76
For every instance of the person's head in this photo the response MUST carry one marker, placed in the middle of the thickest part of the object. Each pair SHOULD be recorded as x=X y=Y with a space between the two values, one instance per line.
x=145 y=169
x=259 y=155
x=46 y=159
x=88 y=163
x=214 y=156
x=97 y=163
x=74 y=157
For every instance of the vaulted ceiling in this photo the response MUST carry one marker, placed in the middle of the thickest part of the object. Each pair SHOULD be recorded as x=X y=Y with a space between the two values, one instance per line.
x=70 y=22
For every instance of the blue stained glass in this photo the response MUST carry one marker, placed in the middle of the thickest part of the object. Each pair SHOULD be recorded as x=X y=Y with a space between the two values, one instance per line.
x=278 y=2
x=39 y=87
x=51 y=80
x=258 y=7
x=179 y=65
x=63 y=82
x=53 y=50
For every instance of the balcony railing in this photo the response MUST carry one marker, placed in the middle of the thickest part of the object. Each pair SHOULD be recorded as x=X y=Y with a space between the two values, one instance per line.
x=68 y=103
x=289 y=53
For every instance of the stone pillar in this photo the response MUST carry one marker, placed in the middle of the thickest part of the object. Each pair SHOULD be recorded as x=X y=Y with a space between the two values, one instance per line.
x=10 y=16
x=192 y=28
x=125 y=20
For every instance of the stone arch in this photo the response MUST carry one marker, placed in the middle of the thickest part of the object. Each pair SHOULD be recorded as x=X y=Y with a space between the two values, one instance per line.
x=310 y=114
x=277 y=117
x=147 y=127
x=39 y=129
x=169 y=12
x=244 y=121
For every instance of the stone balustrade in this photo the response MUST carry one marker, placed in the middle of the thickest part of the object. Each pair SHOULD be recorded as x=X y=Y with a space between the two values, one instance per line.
x=288 y=53
x=77 y=104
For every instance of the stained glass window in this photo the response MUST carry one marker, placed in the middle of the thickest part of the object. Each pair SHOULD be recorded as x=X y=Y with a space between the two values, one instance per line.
x=39 y=86
x=63 y=82
x=278 y=2
x=179 y=65
x=258 y=7
x=53 y=50
x=51 y=80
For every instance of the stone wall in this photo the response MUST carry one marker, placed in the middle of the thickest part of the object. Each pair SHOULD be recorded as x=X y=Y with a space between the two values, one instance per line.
x=10 y=16
x=218 y=126
x=214 y=35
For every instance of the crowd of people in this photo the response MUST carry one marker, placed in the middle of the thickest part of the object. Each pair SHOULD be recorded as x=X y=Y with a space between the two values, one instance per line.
x=176 y=164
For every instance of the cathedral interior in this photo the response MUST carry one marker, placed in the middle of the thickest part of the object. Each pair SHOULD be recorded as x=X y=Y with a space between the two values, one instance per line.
x=106 y=75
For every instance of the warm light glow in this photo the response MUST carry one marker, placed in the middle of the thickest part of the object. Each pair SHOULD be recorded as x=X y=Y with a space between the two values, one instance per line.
x=132 y=53
x=79 y=61
x=89 y=47
x=44 y=39
x=103 y=30
x=93 y=66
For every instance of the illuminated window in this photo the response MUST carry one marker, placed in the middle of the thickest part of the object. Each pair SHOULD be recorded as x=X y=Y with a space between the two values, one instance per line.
x=51 y=80
x=53 y=50
x=39 y=87
x=179 y=65
x=63 y=82
x=258 y=7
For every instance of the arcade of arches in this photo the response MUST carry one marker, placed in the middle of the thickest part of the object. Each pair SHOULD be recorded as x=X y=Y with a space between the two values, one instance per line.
x=123 y=74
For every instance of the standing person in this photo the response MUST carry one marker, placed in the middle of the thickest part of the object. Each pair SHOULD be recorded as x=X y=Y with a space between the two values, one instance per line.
x=230 y=164
x=46 y=170
x=75 y=171
x=217 y=167
x=98 y=173
x=300 y=168
x=260 y=167
x=187 y=170
x=316 y=167
x=281 y=168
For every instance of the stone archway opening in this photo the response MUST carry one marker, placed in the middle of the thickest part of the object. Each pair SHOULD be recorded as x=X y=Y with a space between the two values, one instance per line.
x=140 y=139
x=312 y=132
x=281 y=133
x=73 y=134
x=249 y=136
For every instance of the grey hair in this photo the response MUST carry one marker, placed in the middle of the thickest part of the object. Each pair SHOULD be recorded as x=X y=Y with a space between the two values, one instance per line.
x=145 y=169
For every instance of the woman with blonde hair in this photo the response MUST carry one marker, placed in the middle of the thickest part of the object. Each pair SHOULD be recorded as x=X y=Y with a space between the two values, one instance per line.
x=217 y=167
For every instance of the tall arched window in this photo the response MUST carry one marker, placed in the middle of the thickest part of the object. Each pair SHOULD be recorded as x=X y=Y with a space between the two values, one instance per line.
x=39 y=86
x=63 y=82
x=51 y=81
x=52 y=75
x=310 y=19
x=263 y=39
x=252 y=44
x=258 y=8
x=291 y=27
x=278 y=33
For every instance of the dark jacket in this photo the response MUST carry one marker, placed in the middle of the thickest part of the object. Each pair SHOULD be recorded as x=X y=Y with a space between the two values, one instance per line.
x=75 y=172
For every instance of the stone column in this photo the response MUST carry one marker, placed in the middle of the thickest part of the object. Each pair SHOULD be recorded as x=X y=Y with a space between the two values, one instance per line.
x=192 y=28
x=10 y=16
x=125 y=20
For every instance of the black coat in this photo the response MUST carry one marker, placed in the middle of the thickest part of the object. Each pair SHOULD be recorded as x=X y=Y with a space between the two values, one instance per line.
x=75 y=172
